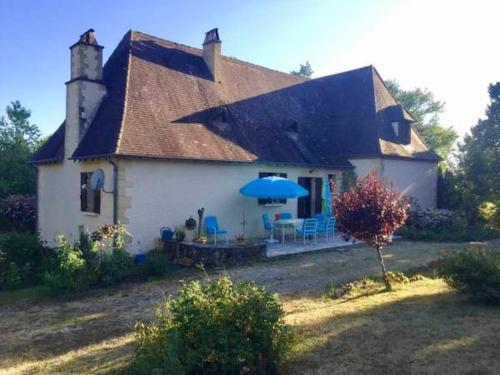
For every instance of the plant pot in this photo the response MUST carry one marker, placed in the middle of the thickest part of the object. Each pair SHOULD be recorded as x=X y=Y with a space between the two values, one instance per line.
x=180 y=238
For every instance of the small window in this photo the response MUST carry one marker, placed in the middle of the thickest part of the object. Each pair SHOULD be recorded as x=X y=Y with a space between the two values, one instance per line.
x=272 y=201
x=90 y=200
x=395 y=126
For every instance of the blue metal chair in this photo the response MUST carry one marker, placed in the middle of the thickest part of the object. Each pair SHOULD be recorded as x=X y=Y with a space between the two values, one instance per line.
x=321 y=220
x=285 y=216
x=309 y=229
x=212 y=228
x=328 y=227
x=268 y=227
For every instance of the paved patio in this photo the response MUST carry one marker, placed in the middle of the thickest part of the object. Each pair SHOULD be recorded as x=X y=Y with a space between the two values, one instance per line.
x=296 y=247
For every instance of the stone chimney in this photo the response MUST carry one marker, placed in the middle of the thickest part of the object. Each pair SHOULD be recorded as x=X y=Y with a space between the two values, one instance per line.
x=212 y=54
x=84 y=91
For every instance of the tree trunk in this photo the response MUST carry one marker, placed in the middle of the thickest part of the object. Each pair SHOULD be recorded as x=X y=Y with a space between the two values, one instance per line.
x=387 y=282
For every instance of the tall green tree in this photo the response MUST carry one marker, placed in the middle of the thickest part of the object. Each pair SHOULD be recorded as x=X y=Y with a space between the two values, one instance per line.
x=305 y=70
x=426 y=109
x=479 y=157
x=18 y=140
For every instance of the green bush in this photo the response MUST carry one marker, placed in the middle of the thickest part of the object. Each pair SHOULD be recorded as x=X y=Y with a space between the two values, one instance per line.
x=156 y=263
x=114 y=266
x=475 y=274
x=457 y=231
x=97 y=259
x=219 y=328
x=70 y=272
x=23 y=259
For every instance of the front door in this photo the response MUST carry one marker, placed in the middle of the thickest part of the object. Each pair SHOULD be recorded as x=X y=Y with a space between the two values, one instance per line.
x=310 y=205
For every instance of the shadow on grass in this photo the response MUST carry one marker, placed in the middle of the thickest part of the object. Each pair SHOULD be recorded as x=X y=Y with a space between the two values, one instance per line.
x=437 y=333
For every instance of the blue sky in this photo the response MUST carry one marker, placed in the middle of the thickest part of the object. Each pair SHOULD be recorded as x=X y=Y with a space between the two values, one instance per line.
x=446 y=46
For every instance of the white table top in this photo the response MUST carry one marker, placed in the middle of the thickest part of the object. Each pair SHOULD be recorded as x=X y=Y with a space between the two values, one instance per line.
x=288 y=221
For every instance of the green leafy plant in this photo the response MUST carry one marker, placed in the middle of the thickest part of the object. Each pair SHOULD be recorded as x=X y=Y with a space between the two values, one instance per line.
x=156 y=263
x=180 y=233
x=97 y=259
x=70 y=272
x=218 y=328
x=23 y=255
x=473 y=273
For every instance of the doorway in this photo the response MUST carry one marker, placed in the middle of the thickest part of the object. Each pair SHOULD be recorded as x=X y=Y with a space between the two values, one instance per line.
x=312 y=204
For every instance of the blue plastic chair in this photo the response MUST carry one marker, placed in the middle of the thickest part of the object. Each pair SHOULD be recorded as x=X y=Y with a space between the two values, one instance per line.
x=309 y=229
x=285 y=215
x=321 y=220
x=268 y=226
x=328 y=227
x=212 y=228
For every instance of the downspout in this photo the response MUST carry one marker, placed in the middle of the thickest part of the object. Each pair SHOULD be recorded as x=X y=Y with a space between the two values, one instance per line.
x=115 y=191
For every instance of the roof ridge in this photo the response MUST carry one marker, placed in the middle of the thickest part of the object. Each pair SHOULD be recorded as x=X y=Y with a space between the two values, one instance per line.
x=229 y=58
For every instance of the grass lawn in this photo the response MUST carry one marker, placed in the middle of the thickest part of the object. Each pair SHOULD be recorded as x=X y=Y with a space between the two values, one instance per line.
x=422 y=327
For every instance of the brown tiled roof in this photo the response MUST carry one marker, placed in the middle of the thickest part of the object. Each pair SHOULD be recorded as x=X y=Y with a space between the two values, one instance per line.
x=385 y=102
x=162 y=103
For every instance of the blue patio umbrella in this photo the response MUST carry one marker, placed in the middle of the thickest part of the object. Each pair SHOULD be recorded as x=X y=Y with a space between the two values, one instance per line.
x=273 y=188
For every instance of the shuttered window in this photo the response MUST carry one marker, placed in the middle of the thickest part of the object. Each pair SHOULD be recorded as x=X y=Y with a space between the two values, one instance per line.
x=272 y=201
x=90 y=200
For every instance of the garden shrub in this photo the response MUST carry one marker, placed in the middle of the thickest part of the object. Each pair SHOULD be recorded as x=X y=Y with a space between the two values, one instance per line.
x=23 y=259
x=218 y=328
x=443 y=225
x=156 y=263
x=475 y=274
x=458 y=231
x=97 y=259
x=430 y=218
x=70 y=272
x=19 y=213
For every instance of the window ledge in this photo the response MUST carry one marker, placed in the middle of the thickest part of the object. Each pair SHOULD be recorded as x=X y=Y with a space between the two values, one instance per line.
x=273 y=204
x=89 y=213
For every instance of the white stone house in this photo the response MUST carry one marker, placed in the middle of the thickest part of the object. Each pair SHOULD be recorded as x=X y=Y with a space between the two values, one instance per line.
x=176 y=128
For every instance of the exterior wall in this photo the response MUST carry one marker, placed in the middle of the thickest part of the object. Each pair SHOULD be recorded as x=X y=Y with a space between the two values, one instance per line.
x=82 y=101
x=417 y=179
x=153 y=194
x=59 y=200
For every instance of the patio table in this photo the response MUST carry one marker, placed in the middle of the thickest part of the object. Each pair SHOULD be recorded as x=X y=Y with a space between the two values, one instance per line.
x=284 y=223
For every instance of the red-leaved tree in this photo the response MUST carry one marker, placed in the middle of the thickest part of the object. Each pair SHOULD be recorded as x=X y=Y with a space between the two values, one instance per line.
x=372 y=211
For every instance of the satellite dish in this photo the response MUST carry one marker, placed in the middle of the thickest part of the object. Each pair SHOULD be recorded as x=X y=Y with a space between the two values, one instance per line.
x=97 y=179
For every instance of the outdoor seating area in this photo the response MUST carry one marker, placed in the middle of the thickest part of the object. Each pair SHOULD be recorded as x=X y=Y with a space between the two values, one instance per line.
x=310 y=229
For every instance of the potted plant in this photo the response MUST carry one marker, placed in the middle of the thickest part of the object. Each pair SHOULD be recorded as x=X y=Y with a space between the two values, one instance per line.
x=180 y=233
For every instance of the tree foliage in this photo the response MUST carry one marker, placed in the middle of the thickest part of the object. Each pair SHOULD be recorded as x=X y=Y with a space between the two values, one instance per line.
x=372 y=212
x=479 y=158
x=305 y=70
x=426 y=109
x=18 y=140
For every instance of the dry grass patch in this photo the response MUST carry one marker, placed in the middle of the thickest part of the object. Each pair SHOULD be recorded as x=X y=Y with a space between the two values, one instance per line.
x=416 y=329
x=422 y=327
